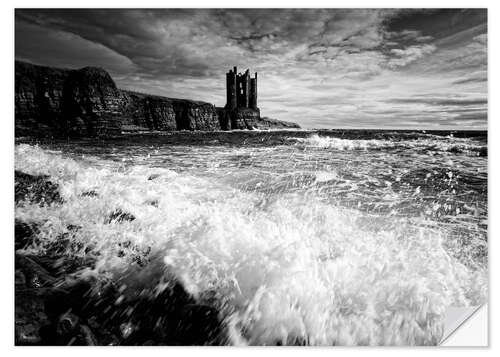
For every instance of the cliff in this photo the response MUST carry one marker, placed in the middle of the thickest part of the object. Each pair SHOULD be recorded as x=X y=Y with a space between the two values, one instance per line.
x=269 y=123
x=150 y=112
x=87 y=103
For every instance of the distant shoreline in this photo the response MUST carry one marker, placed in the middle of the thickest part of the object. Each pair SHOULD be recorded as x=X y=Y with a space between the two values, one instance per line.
x=132 y=134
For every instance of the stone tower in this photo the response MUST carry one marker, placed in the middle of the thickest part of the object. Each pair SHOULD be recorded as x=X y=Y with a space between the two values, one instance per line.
x=253 y=92
x=241 y=90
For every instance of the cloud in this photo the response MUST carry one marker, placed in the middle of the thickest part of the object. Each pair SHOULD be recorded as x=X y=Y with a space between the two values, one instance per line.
x=71 y=50
x=471 y=80
x=403 y=57
x=442 y=101
x=319 y=67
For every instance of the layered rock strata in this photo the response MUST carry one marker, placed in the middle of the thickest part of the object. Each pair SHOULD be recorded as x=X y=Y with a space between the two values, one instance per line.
x=52 y=102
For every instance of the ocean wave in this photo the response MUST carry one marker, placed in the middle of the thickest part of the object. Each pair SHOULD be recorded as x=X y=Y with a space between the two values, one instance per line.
x=280 y=270
x=434 y=143
x=341 y=144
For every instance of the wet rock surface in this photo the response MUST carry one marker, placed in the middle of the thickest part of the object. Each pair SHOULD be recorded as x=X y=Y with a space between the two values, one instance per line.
x=25 y=233
x=120 y=216
x=270 y=123
x=56 y=305
x=62 y=309
x=91 y=193
x=35 y=189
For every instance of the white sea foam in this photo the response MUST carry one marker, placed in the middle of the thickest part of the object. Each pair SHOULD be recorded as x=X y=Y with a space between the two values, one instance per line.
x=342 y=144
x=282 y=270
x=433 y=143
x=324 y=176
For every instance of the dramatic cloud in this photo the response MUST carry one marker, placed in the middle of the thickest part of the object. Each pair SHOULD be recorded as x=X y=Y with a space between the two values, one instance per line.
x=408 y=55
x=318 y=67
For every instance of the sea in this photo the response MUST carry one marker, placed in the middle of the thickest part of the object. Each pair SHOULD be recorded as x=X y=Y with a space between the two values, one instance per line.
x=333 y=237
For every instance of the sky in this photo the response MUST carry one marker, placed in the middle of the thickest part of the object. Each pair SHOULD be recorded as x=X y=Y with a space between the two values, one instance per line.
x=321 y=68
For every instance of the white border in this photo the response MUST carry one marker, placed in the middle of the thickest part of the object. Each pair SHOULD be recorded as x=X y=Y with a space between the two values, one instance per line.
x=7 y=155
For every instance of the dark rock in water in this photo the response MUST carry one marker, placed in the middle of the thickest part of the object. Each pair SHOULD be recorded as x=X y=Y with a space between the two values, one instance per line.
x=20 y=279
x=70 y=296
x=25 y=233
x=153 y=176
x=67 y=310
x=55 y=307
x=153 y=203
x=269 y=123
x=36 y=275
x=67 y=324
x=250 y=119
x=30 y=317
x=171 y=318
x=35 y=189
x=68 y=329
x=32 y=282
x=120 y=216
x=483 y=151
x=88 y=337
x=91 y=193
x=73 y=227
x=197 y=325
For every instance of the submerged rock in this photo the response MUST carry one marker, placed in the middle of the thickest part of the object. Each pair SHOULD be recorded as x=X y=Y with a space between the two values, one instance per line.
x=36 y=275
x=25 y=233
x=198 y=325
x=30 y=317
x=153 y=176
x=91 y=193
x=58 y=309
x=483 y=151
x=67 y=324
x=153 y=203
x=56 y=305
x=120 y=216
x=35 y=189
x=88 y=337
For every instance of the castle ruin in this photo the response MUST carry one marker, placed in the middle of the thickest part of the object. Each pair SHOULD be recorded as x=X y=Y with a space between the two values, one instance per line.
x=241 y=90
x=240 y=111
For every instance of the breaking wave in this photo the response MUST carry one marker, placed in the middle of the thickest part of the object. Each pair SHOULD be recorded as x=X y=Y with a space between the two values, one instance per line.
x=432 y=143
x=281 y=269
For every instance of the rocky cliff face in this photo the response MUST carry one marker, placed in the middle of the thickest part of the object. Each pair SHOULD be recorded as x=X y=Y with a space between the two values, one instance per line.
x=195 y=115
x=38 y=99
x=244 y=118
x=144 y=112
x=91 y=104
x=59 y=102
x=87 y=103
x=269 y=123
